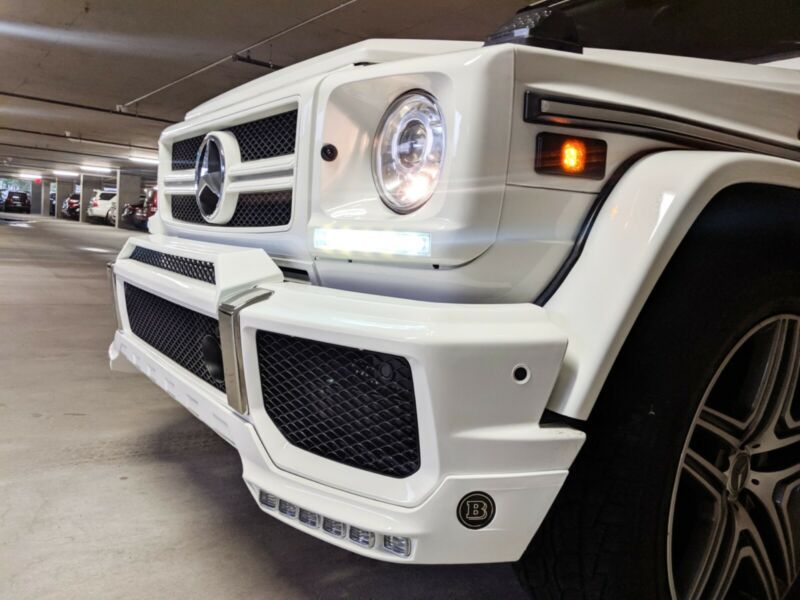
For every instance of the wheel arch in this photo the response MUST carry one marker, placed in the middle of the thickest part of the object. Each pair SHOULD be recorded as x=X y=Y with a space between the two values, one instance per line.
x=637 y=231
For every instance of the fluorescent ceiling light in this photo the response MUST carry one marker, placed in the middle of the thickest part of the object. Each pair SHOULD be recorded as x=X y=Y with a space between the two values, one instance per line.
x=402 y=243
x=95 y=169
x=30 y=176
x=65 y=173
x=144 y=159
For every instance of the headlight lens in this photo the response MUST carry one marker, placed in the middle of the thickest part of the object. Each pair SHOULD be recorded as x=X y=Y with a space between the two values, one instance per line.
x=409 y=151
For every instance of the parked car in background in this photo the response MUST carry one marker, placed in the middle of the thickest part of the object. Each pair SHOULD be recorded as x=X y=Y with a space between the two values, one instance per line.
x=111 y=217
x=136 y=214
x=17 y=202
x=71 y=207
x=100 y=205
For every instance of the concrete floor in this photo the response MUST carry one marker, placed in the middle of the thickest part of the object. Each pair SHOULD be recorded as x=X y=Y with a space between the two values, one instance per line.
x=110 y=489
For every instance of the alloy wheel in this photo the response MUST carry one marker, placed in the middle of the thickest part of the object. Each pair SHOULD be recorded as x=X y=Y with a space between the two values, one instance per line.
x=734 y=524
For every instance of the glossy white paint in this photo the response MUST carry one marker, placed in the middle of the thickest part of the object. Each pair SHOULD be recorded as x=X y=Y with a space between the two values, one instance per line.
x=463 y=315
x=636 y=233
x=478 y=426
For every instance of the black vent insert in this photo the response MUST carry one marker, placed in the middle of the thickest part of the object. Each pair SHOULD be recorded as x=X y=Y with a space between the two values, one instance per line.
x=265 y=138
x=262 y=209
x=351 y=406
x=176 y=332
x=184 y=153
x=188 y=267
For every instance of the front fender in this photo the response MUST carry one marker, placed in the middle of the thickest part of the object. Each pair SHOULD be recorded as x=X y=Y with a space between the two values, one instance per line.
x=641 y=224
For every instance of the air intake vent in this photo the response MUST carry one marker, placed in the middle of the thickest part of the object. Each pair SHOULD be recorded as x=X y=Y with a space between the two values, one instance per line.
x=176 y=332
x=263 y=209
x=351 y=406
x=265 y=138
x=188 y=267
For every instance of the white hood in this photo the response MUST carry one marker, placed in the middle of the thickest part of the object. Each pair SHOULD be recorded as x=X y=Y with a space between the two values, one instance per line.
x=369 y=51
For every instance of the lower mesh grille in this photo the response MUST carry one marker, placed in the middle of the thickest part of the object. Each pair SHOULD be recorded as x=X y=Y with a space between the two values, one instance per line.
x=352 y=406
x=175 y=331
x=188 y=267
x=263 y=209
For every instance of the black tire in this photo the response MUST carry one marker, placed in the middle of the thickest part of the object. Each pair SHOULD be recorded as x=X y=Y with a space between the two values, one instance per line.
x=606 y=534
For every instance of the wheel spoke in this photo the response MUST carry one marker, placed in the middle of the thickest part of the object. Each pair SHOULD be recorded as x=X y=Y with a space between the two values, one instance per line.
x=739 y=479
x=716 y=554
x=769 y=380
x=773 y=491
x=706 y=474
x=720 y=427
x=752 y=539
x=778 y=429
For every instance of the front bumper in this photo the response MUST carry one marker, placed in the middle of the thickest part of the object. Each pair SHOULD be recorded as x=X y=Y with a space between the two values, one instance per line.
x=478 y=425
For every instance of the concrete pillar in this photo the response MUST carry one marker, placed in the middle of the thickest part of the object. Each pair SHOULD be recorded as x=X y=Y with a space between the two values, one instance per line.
x=36 y=197
x=128 y=189
x=45 y=197
x=89 y=183
x=64 y=187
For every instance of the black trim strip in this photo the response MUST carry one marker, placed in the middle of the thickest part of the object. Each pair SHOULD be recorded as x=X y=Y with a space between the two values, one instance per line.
x=588 y=223
x=568 y=111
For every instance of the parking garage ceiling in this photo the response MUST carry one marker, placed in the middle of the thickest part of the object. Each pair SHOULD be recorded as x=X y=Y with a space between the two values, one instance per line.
x=78 y=78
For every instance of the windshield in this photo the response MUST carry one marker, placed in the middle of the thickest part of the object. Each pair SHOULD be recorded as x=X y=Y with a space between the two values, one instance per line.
x=735 y=30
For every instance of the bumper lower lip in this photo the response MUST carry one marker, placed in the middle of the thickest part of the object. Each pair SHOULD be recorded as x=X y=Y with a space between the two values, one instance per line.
x=478 y=427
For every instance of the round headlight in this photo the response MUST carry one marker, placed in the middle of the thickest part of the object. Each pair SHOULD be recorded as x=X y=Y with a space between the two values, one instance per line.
x=408 y=152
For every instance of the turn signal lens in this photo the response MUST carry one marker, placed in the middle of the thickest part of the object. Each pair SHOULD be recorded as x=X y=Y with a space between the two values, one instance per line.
x=571 y=156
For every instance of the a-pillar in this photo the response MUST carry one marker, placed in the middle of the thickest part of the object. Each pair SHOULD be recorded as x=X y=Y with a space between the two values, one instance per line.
x=36 y=196
x=64 y=189
x=128 y=189
x=45 y=197
x=89 y=183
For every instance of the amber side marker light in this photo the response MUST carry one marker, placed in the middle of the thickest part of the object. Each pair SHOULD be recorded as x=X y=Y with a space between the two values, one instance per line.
x=570 y=156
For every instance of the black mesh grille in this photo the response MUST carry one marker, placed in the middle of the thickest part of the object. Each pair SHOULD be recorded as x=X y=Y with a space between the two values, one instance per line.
x=188 y=267
x=173 y=330
x=263 y=209
x=352 y=406
x=184 y=153
x=265 y=138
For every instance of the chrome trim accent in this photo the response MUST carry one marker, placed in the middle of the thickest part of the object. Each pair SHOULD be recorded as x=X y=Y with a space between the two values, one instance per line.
x=230 y=336
x=209 y=176
x=112 y=280
x=583 y=113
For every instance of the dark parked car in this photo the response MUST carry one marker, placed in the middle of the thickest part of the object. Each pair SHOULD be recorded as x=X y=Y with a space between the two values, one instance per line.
x=17 y=202
x=71 y=207
x=137 y=213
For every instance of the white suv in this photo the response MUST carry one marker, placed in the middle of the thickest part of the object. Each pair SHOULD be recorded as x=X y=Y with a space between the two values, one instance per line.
x=101 y=204
x=410 y=280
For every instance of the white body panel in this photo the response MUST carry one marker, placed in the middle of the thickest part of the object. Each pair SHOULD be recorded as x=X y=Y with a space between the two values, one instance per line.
x=464 y=316
x=99 y=206
x=478 y=425
x=638 y=230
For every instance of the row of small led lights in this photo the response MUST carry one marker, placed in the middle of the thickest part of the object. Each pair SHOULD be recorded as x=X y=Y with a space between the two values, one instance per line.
x=398 y=545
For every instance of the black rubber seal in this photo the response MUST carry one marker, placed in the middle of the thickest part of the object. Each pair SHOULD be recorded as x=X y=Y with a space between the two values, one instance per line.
x=588 y=223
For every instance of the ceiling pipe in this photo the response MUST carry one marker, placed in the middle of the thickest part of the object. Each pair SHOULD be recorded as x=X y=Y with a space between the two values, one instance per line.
x=69 y=152
x=253 y=61
x=106 y=111
x=80 y=139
